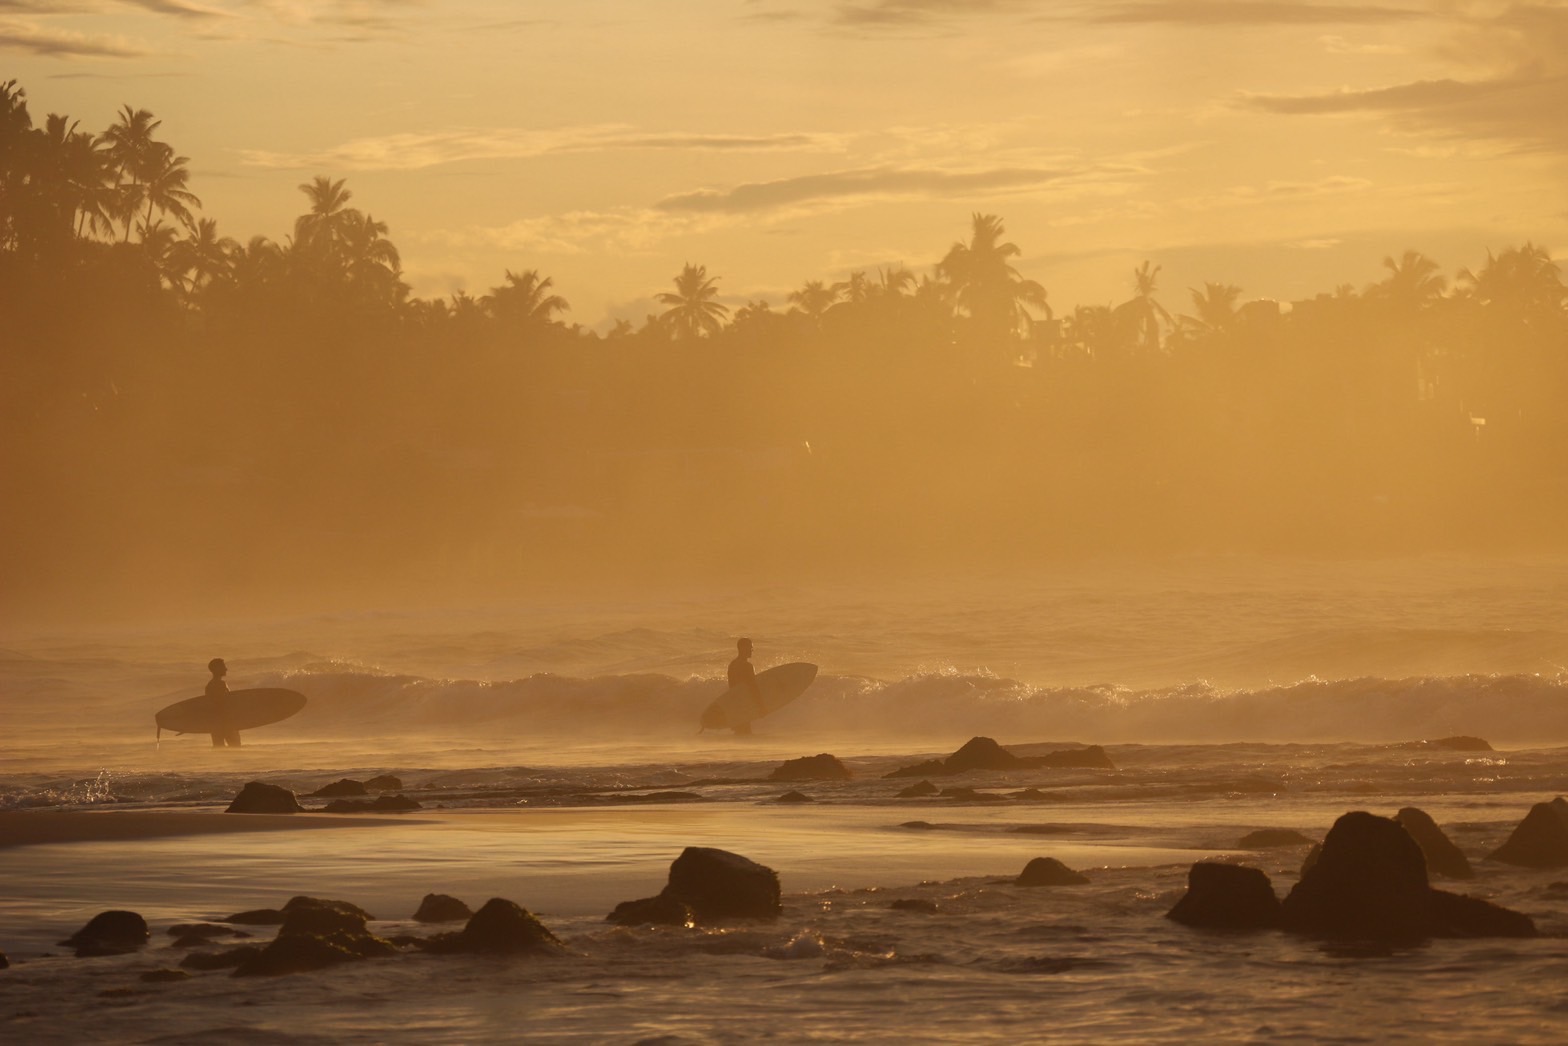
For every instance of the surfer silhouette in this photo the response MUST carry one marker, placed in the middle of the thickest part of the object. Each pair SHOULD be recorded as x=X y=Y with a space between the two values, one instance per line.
x=742 y=674
x=218 y=692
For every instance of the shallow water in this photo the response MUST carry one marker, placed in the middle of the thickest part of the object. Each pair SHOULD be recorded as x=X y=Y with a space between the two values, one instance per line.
x=1230 y=696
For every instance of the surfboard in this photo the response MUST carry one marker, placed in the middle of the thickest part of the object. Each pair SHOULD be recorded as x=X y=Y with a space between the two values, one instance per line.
x=777 y=687
x=247 y=709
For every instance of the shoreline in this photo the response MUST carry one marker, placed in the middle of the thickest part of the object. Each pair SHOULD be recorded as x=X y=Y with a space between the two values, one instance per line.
x=45 y=827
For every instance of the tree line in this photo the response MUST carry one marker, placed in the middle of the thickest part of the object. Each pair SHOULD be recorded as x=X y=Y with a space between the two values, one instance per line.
x=149 y=359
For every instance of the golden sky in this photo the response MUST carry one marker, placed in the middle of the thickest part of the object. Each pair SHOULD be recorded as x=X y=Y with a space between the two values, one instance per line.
x=1285 y=147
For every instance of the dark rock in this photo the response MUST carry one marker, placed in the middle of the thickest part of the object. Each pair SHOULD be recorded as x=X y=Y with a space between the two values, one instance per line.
x=1442 y=856
x=981 y=753
x=1227 y=897
x=1455 y=915
x=384 y=783
x=381 y=804
x=1309 y=861
x=257 y=917
x=1092 y=757
x=259 y=798
x=440 y=908
x=1269 y=838
x=794 y=797
x=225 y=960
x=1540 y=840
x=822 y=767
x=919 y=791
x=914 y=904
x=164 y=976
x=718 y=885
x=1041 y=829
x=340 y=788
x=929 y=768
x=971 y=795
x=5 y=963
x=1369 y=882
x=321 y=921
x=1048 y=871
x=923 y=826
x=296 y=903
x=109 y=933
x=303 y=952
x=501 y=926
x=661 y=910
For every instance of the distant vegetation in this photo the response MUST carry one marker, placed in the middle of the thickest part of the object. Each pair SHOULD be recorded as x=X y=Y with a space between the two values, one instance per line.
x=178 y=405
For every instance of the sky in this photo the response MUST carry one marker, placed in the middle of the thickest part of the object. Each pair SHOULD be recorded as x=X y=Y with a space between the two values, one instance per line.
x=1283 y=147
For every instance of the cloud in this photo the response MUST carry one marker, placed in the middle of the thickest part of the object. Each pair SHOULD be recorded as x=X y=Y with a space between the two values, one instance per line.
x=419 y=150
x=177 y=8
x=865 y=183
x=17 y=35
x=1248 y=13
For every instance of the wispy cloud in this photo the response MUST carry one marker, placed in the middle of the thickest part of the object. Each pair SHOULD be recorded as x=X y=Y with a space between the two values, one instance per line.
x=865 y=183
x=1248 y=12
x=419 y=150
x=17 y=35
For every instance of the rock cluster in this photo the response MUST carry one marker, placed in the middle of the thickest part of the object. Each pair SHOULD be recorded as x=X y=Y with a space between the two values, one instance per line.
x=499 y=927
x=983 y=753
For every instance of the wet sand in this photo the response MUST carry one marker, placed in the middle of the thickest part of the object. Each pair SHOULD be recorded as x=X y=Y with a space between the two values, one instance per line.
x=35 y=827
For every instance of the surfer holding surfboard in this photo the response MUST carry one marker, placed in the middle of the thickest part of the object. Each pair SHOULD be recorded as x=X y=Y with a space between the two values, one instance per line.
x=752 y=695
x=223 y=732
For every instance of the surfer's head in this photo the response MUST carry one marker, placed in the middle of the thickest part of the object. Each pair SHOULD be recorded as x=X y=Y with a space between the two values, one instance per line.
x=744 y=646
x=217 y=667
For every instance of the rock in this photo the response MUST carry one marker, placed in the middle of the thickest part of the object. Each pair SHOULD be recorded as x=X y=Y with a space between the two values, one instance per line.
x=384 y=783
x=440 y=908
x=717 y=885
x=4 y=962
x=1540 y=840
x=981 y=753
x=1310 y=860
x=971 y=795
x=1092 y=757
x=303 y=952
x=1370 y=883
x=381 y=804
x=1455 y=915
x=1442 y=856
x=257 y=917
x=1048 y=871
x=660 y=910
x=296 y=903
x=226 y=960
x=1269 y=838
x=259 y=798
x=340 y=788
x=794 y=797
x=500 y=927
x=109 y=933
x=1042 y=829
x=164 y=976
x=914 y=904
x=919 y=791
x=322 y=920
x=822 y=767
x=1227 y=897
x=922 y=826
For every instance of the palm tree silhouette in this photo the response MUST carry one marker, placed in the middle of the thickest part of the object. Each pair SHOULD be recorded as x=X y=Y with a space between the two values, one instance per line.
x=131 y=151
x=692 y=312
x=525 y=300
x=1216 y=305
x=321 y=229
x=1414 y=281
x=988 y=288
x=163 y=186
x=1523 y=280
x=1142 y=318
x=813 y=299
x=202 y=257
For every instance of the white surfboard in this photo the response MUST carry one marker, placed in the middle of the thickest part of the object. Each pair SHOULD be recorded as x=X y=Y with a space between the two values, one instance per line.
x=776 y=687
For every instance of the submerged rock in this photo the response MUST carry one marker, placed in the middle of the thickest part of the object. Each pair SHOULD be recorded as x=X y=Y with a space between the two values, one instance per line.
x=914 y=904
x=296 y=903
x=1540 y=840
x=929 y=768
x=224 y=960
x=381 y=804
x=717 y=884
x=257 y=917
x=919 y=791
x=1092 y=757
x=315 y=934
x=1442 y=856
x=339 y=788
x=384 y=783
x=109 y=933
x=1227 y=897
x=500 y=927
x=441 y=908
x=822 y=767
x=660 y=911
x=1048 y=871
x=1370 y=883
x=259 y=798
x=983 y=753
x=1269 y=838
x=794 y=797
x=971 y=795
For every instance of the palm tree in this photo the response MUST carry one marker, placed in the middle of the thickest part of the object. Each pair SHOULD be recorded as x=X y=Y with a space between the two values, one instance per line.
x=129 y=147
x=1413 y=282
x=1216 y=305
x=813 y=299
x=1142 y=319
x=322 y=228
x=1521 y=280
x=525 y=300
x=692 y=312
x=163 y=187
x=201 y=257
x=988 y=288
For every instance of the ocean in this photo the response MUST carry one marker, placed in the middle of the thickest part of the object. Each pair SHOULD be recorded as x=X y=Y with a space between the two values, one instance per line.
x=553 y=745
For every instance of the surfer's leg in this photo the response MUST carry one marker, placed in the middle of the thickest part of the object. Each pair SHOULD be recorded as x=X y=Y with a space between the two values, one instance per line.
x=232 y=738
x=217 y=740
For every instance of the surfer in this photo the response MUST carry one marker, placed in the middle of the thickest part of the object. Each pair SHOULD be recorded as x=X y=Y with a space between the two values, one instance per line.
x=218 y=693
x=742 y=674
